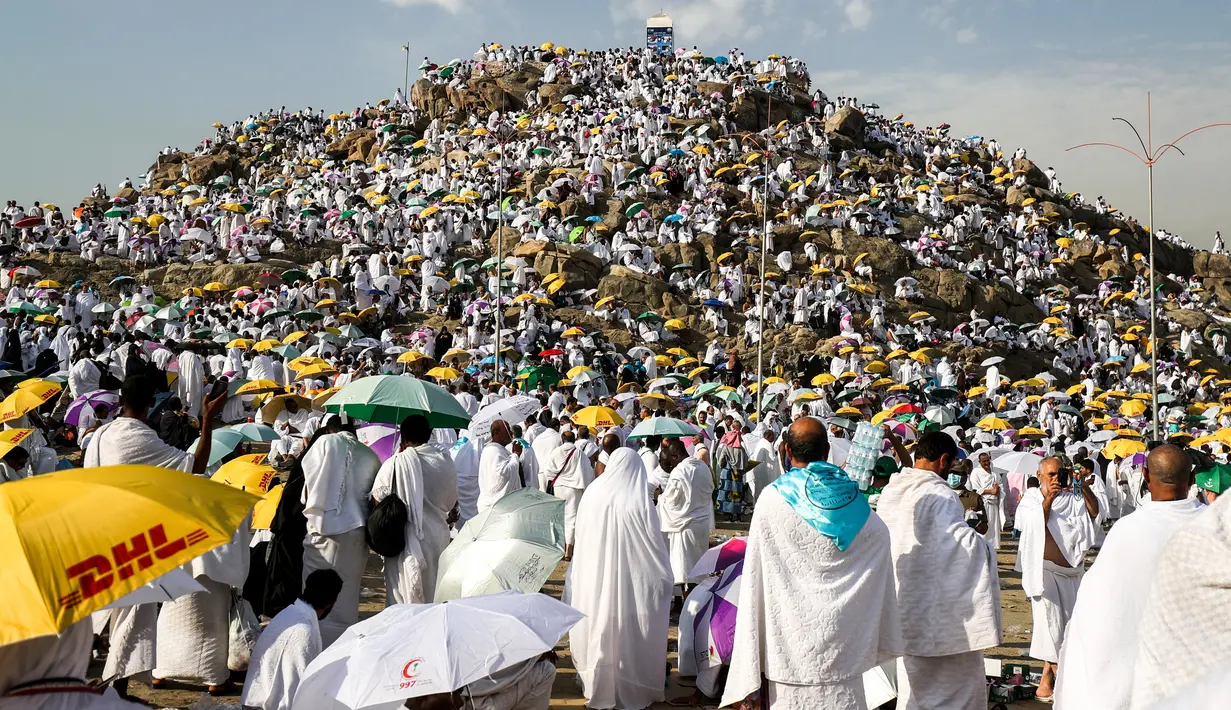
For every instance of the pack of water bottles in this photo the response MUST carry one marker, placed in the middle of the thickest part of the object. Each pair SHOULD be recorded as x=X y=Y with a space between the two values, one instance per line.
x=865 y=450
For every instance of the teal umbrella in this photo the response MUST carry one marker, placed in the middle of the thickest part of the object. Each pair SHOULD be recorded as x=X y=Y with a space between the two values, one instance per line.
x=255 y=432
x=515 y=544
x=288 y=352
x=706 y=388
x=224 y=442
x=665 y=427
x=729 y=396
x=388 y=399
x=543 y=151
x=310 y=315
x=541 y=375
x=273 y=316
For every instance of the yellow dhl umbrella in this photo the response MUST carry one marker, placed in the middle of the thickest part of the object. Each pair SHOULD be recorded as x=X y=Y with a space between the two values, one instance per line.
x=246 y=474
x=67 y=555
x=662 y=360
x=27 y=397
x=1123 y=448
x=1074 y=389
x=849 y=413
x=882 y=382
x=697 y=371
x=598 y=417
x=1096 y=404
x=577 y=371
x=774 y=381
x=215 y=286
x=876 y=367
x=267 y=345
x=295 y=337
x=260 y=387
x=1139 y=368
x=573 y=332
x=266 y=508
x=991 y=423
x=823 y=379
x=687 y=362
x=316 y=370
x=444 y=373
x=193 y=291
x=48 y=283
x=411 y=356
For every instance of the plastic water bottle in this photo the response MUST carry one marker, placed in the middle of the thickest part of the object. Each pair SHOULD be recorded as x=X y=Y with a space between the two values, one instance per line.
x=865 y=448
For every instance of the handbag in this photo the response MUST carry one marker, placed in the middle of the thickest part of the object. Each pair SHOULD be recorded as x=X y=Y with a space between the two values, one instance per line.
x=385 y=530
x=551 y=485
x=245 y=629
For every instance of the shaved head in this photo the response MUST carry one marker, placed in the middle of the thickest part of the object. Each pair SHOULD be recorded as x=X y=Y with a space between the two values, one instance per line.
x=1168 y=472
x=807 y=441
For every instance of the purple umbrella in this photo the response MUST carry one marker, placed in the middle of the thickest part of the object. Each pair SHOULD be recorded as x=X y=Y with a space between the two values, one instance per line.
x=91 y=400
x=381 y=438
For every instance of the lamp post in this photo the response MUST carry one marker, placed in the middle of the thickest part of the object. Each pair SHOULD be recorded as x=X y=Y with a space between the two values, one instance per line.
x=406 y=75
x=1149 y=156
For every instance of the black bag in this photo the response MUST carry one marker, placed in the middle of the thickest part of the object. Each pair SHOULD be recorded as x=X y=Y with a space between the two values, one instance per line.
x=385 y=531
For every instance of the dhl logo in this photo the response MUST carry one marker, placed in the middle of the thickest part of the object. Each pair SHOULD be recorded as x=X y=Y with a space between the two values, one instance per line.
x=97 y=573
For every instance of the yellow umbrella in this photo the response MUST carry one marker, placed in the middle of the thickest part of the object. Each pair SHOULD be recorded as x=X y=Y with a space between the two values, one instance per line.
x=260 y=387
x=849 y=413
x=598 y=417
x=295 y=337
x=215 y=286
x=271 y=409
x=697 y=371
x=1123 y=448
x=193 y=291
x=675 y=324
x=444 y=373
x=455 y=356
x=267 y=345
x=577 y=371
x=411 y=356
x=246 y=474
x=992 y=423
x=266 y=508
x=573 y=332
x=48 y=283
x=315 y=370
x=662 y=360
x=240 y=343
x=67 y=554
x=26 y=399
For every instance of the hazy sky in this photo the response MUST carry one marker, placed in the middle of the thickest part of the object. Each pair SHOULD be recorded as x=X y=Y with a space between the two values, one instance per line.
x=94 y=90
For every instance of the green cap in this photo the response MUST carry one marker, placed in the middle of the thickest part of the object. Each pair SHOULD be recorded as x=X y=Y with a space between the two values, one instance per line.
x=885 y=466
x=1215 y=480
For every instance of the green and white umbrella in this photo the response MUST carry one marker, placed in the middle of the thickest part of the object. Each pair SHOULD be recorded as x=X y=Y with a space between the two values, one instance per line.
x=514 y=545
x=667 y=427
x=389 y=399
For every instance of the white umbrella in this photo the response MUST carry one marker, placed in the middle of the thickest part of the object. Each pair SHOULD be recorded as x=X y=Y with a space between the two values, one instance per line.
x=1102 y=436
x=513 y=410
x=1018 y=462
x=777 y=388
x=196 y=234
x=412 y=650
x=992 y=360
x=103 y=307
x=639 y=351
x=839 y=449
x=586 y=376
x=1057 y=395
x=170 y=586
x=942 y=416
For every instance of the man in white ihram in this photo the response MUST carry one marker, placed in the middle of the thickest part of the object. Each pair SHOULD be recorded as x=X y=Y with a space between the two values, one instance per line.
x=499 y=470
x=426 y=481
x=568 y=471
x=1058 y=529
x=686 y=509
x=947 y=586
x=1100 y=644
x=338 y=475
x=816 y=607
x=288 y=645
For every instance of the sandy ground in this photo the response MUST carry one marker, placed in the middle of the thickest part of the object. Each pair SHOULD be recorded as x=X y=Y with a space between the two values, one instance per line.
x=567 y=692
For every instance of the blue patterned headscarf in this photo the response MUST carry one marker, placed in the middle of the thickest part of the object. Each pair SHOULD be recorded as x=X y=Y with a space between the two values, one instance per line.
x=827 y=499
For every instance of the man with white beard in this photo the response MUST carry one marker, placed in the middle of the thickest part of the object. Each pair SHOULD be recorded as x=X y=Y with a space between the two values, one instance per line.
x=686 y=509
x=426 y=481
x=817 y=607
x=947 y=586
x=1100 y=645
x=1058 y=529
x=338 y=475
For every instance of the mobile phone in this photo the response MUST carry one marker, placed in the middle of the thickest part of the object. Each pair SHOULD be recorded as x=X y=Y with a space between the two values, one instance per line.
x=219 y=388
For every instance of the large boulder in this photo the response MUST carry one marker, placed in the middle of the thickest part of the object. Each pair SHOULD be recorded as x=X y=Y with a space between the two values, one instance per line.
x=204 y=169
x=847 y=121
x=511 y=241
x=1034 y=176
x=359 y=145
x=709 y=88
x=631 y=287
x=1188 y=317
x=885 y=257
x=430 y=98
x=517 y=83
x=948 y=286
x=1209 y=265
x=554 y=93
x=581 y=269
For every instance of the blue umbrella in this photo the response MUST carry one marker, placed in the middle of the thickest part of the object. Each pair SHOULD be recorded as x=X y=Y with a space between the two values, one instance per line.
x=720 y=60
x=713 y=303
x=675 y=218
x=255 y=432
x=676 y=152
x=374 y=292
x=594 y=219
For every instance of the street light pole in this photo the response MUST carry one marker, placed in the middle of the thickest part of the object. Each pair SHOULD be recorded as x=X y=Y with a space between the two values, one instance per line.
x=764 y=251
x=499 y=252
x=406 y=76
x=1149 y=157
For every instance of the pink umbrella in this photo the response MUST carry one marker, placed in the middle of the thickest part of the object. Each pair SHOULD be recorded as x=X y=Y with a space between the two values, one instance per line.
x=261 y=306
x=716 y=559
x=90 y=399
x=381 y=438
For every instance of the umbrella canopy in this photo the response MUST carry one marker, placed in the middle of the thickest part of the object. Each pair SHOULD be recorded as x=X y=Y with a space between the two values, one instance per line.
x=91 y=400
x=513 y=410
x=411 y=650
x=597 y=417
x=224 y=442
x=255 y=432
x=665 y=427
x=246 y=473
x=515 y=544
x=389 y=399
x=61 y=537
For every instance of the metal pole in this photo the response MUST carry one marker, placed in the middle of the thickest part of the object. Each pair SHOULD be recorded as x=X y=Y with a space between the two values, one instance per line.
x=764 y=251
x=1153 y=311
x=406 y=76
x=499 y=256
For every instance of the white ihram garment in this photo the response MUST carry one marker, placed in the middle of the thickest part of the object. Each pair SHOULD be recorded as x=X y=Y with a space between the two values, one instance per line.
x=281 y=655
x=1100 y=645
x=948 y=593
x=686 y=509
x=571 y=472
x=812 y=619
x=621 y=580
x=58 y=661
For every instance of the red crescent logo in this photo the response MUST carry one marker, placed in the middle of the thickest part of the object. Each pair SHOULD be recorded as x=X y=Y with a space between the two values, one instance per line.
x=411 y=669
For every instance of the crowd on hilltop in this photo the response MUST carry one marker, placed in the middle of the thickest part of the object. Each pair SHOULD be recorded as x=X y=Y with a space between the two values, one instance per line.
x=630 y=159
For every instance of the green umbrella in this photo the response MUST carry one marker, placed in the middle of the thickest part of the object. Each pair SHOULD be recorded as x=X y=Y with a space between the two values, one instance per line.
x=541 y=375
x=310 y=315
x=288 y=352
x=116 y=212
x=577 y=232
x=636 y=173
x=491 y=263
x=293 y=275
x=729 y=396
x=1068 y=409
x=649 y=316
x=271 y=316
x=224 y=442
x=388 y=399
x=663 y=426
x=348 y=214
x=705 y=389
x=634 y=208
x=543 y=151
x=464 y=262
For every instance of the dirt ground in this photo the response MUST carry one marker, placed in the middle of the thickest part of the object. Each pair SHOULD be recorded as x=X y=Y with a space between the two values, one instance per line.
x=567 y=691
